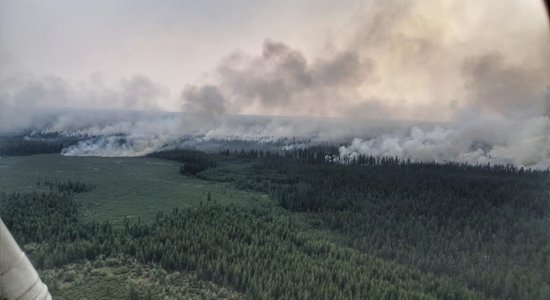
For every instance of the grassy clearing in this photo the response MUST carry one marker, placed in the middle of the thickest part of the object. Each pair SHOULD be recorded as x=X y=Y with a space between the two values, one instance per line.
x=125 y=187
x=126 y=279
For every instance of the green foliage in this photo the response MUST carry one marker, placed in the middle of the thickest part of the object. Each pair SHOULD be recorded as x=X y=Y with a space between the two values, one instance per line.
x=123 y=278
x=68 y=186
x=259 y=251
x=193 y=161
x=263 y=253
x=485 y=226
x=371 y=228
x=132 y=187
x=40 y=216
x=19 y=146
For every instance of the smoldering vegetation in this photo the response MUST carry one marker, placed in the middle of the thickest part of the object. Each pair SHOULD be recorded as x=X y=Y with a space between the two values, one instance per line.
x=492 y=139
x=476 y=74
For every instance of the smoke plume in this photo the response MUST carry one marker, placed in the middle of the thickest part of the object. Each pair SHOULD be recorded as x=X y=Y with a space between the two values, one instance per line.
x=406 y=57
x=27 y=102
x=428 y=80
x=491 y=140
x=278 y=81
x=480 y=69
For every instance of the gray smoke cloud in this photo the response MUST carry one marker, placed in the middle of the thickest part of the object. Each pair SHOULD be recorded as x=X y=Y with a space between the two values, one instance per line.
x=205 y=105
x=488 y=140
x=28 y=101
x=406 y=57
x=461 y=62
x=133 y=137
x=278 y=81
x=476 y=72
x=139 y=133
x=495 y=86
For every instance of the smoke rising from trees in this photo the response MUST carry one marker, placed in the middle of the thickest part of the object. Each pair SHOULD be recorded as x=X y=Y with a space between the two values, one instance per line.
x=479 y=71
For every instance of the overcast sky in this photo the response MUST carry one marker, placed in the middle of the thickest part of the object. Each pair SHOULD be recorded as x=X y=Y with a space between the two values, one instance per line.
x=173 y=42
x=309 y=57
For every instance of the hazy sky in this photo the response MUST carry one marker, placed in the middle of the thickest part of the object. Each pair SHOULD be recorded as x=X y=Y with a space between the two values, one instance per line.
x=351 y=58
x=171 y=41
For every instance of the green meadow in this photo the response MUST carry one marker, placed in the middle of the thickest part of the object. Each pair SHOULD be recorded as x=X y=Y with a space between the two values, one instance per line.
x=125 y=188
x=135 y=187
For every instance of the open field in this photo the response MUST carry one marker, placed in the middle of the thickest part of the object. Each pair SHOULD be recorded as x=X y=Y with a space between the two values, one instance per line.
x=124 y=187
x=118 y=279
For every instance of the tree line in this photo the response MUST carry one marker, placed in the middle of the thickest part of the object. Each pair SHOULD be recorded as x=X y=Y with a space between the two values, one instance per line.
x=192 y=161
x=260 y=251
x=482 y=225
x=369 y=228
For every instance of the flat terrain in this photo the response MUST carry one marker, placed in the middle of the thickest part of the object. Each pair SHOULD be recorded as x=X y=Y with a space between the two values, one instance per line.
x=136 y=187
x=375 y=229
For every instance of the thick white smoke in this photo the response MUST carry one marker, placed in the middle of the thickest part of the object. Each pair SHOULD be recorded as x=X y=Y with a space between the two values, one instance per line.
x=477 y=139
x=426 y=60
x=431 y=60
x=30 y=102
x=496 y=140
x=137 y=136
x=140 y=133
x=423 y=60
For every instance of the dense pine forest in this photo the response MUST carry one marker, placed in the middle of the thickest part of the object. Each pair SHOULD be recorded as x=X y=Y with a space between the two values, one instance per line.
x=266 y=150
x=483 y=226
x=377 y=228
x=29 y=144
x=21 y=146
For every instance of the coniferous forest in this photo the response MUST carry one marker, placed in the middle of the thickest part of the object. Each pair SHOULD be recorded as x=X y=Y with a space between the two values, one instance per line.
x=369 y=228
x=316 y=150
